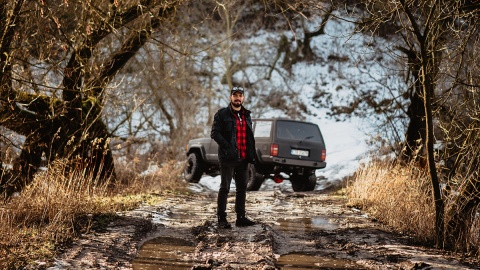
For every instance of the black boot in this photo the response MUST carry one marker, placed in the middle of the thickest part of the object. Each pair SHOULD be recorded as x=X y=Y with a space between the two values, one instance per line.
x=223 y=223
x=243 y=221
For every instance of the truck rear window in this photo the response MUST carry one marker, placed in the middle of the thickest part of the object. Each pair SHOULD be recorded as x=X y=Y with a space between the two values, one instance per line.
x=298 y=131
x=262 y=128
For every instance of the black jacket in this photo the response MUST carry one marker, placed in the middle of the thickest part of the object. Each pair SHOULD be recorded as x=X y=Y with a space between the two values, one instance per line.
x=224 y=132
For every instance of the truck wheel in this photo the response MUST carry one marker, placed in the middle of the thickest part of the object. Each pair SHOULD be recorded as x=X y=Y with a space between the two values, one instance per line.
x=306 y=182
x=193 y=169
x=254 y=179
x=310 y=183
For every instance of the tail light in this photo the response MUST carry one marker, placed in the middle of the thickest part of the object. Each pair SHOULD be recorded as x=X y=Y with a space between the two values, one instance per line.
x=274 y=150
x=324 y=155
x=278 y=178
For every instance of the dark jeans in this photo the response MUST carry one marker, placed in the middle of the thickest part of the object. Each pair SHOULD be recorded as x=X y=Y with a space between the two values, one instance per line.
x=238 y=171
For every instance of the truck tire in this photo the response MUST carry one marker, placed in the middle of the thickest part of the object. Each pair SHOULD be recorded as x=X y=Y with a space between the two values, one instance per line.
x=193 y=169
x=310 y=183
x=306 y=182
x=254 y=179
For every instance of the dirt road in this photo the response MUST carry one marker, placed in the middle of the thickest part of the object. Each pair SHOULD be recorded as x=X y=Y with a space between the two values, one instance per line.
x=309 y=230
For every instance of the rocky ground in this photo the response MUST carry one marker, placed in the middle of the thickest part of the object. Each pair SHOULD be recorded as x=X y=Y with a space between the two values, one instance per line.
x=311 y=230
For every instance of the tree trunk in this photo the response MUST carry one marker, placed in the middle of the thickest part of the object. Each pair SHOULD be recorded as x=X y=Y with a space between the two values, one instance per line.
x=439 y=203
x=415 y=135
x=430 y=57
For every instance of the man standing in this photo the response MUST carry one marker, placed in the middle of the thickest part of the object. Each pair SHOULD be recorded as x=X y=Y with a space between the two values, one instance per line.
x=232 y=130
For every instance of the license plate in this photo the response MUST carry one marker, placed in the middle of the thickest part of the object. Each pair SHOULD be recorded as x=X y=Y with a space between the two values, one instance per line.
x=297 y=152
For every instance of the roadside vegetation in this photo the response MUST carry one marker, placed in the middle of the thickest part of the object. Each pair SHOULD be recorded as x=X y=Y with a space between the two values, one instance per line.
x=395 y=195
x=399 y=196
x=59 y=205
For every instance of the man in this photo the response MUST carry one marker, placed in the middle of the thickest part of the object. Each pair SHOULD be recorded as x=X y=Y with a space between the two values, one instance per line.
x=232 y=130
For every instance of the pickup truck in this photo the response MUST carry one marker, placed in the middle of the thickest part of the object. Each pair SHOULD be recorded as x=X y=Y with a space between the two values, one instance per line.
x=285 y=150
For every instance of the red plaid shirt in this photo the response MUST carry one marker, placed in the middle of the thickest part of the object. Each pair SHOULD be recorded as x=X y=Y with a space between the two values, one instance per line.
x=241 y=134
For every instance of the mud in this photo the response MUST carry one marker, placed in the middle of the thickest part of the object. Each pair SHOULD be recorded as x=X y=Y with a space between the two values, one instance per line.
x=311 y=230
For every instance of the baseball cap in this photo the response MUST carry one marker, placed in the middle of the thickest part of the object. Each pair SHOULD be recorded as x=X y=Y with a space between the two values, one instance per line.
x=237 y=89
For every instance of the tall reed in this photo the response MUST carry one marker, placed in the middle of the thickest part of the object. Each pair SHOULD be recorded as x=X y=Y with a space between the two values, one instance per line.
x=61 y=202
x=395 y=195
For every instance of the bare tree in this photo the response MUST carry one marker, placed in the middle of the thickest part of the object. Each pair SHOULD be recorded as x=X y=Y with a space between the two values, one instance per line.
x=56 y=73
x=302 y=49
x=438 y=41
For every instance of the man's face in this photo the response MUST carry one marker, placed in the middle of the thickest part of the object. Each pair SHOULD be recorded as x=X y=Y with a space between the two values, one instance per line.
x=237 y=99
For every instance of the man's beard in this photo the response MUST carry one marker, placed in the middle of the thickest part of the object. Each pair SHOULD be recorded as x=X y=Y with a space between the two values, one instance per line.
x=239 y=105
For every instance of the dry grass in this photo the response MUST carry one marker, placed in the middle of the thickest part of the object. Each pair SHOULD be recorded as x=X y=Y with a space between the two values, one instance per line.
x=395 y=195
x=156 y=180
x=58 y=205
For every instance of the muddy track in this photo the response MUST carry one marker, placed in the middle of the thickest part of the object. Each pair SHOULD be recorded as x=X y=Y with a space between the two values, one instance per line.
x=295 y=231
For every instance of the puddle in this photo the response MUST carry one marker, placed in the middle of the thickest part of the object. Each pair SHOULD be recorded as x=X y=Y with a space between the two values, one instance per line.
x=178 y=254
x=306 y=261
x=180 y=213
x=165 y=253
x=306 y=224
x=187 y=214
